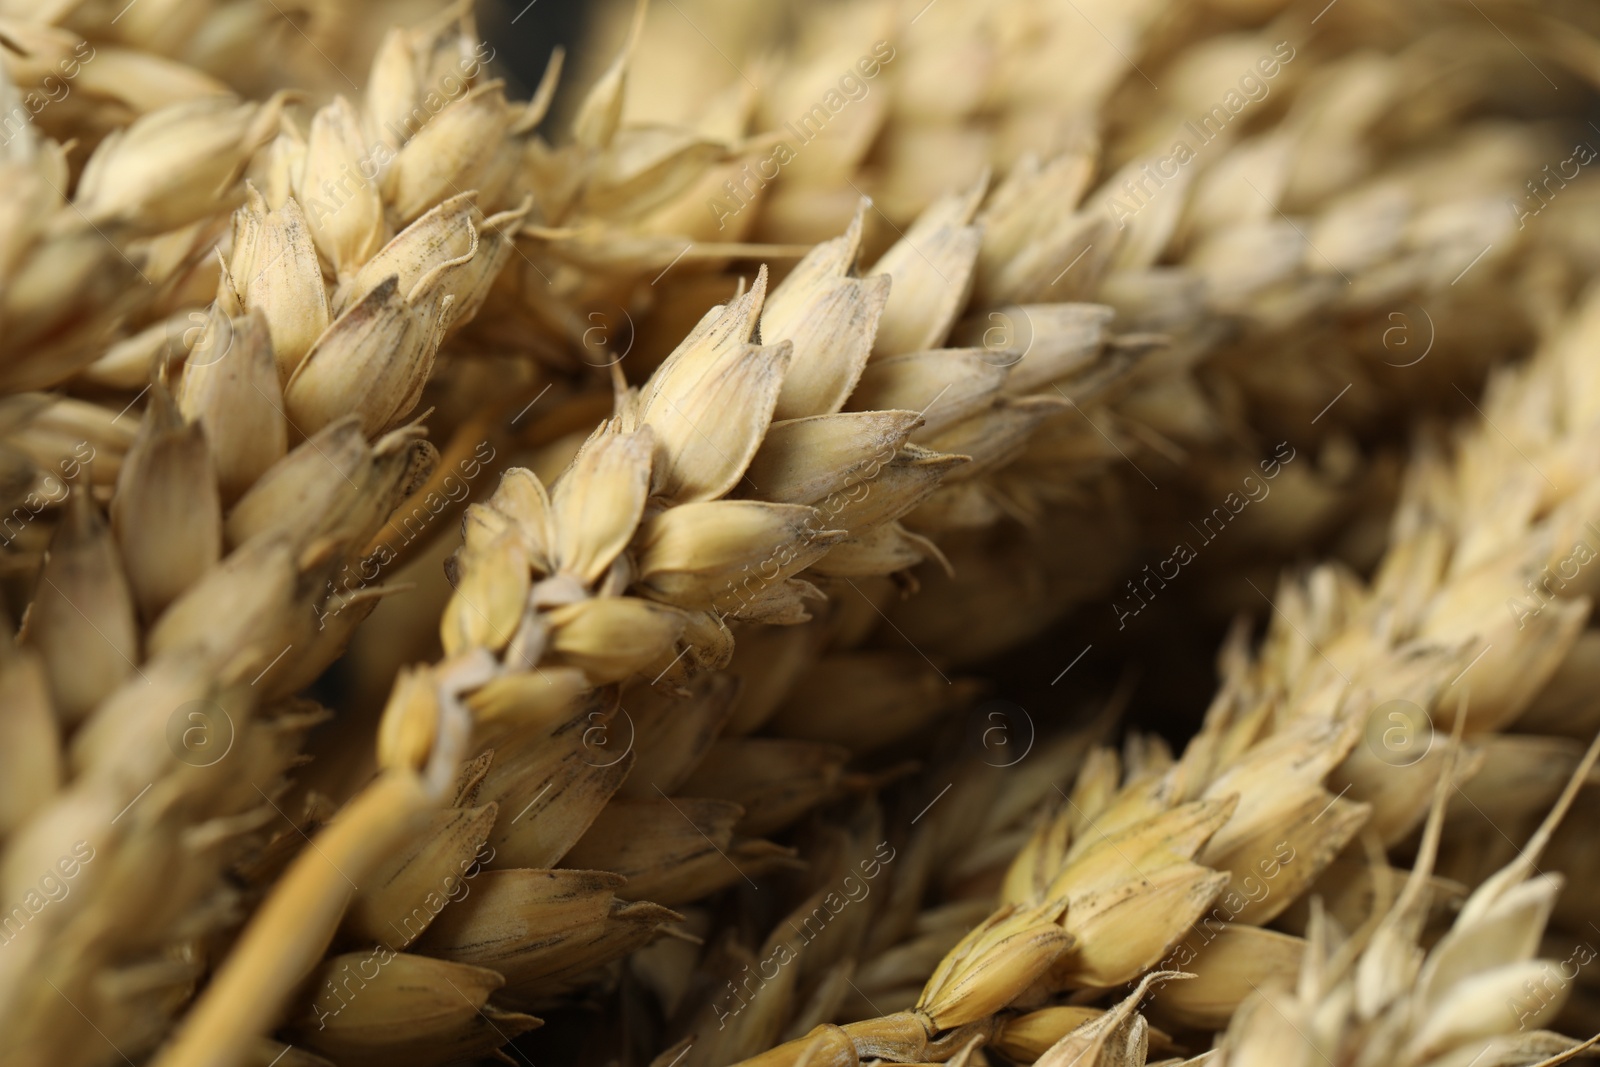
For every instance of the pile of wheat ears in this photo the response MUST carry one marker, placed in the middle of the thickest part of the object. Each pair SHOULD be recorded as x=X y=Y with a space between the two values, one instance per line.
x=471 y=561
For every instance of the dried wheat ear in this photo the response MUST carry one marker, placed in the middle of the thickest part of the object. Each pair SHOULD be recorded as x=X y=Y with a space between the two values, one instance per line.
x=707 y=552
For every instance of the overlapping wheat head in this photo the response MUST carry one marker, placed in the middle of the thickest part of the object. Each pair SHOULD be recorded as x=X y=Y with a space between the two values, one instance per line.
x=628 y=568
x=333 y=293
x=1177 y=866
x=325 y=329
x=799 y=452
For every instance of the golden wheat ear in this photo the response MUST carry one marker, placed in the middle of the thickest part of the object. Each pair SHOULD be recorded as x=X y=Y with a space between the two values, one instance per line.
x=1034 y=305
